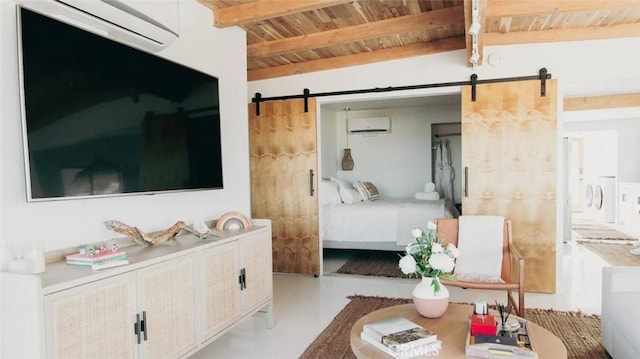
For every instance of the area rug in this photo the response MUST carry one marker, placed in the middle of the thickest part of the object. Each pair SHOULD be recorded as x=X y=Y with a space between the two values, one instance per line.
x=614 y=254
x=579 y=332
x=373 y=263
x=589 y=231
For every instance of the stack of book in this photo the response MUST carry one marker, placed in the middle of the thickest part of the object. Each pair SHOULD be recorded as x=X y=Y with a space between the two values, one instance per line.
x=401 y=338
x=102 y=260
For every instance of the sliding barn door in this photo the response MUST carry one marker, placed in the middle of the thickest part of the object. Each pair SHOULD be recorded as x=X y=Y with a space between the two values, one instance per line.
x=283 y=181
x=509 y=149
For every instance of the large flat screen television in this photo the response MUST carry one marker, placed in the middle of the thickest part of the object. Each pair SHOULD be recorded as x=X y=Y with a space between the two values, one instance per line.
x=103 y=119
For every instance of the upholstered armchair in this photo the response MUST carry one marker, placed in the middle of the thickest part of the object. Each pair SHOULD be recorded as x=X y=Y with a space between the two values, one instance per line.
x=512 y=270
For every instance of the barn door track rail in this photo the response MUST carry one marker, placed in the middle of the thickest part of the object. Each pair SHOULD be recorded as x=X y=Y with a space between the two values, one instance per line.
x=543 y=75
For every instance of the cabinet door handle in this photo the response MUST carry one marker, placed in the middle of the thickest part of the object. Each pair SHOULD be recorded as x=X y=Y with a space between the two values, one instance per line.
x=143 y=324
x=466 y=181
x=136 y=327
x=244 y=278
x=311 y=190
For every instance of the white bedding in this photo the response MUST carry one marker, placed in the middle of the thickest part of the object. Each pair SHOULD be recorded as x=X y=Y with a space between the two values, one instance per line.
x=384 y=220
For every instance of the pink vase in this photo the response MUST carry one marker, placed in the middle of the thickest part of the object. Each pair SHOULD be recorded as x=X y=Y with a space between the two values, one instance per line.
x=428 y=303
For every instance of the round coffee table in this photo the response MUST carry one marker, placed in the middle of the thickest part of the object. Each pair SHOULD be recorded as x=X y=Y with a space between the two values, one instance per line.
x=451 y=329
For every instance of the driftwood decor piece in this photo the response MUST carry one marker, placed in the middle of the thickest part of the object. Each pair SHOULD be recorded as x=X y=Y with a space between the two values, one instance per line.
x=142 y=238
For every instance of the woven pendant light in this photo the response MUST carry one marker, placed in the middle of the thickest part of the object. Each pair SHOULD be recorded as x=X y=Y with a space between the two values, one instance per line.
x=347 y=160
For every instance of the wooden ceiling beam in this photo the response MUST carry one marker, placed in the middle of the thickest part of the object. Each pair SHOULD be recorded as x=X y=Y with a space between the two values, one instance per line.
x=417 y=49
x=601 y=102
x=557 y=35
x=502 y=8
x=482 y=9
x=265 y=9
x=423 y=21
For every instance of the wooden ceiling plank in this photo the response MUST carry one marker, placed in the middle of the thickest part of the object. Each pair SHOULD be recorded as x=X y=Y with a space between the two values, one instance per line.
x=426 y=20
x=418 y=49
x=482 y=12
x=500 y=8
x=505 y=24
x=467 y=23
x=266 y=9
x=601 y=102
x=557 y=35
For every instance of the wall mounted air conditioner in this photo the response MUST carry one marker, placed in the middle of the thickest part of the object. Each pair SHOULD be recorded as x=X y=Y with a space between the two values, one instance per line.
x=147 y=25
x=369 y=125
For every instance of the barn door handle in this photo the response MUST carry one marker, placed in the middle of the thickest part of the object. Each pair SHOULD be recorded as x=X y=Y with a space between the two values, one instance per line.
x=311 y=190
x=466 y=181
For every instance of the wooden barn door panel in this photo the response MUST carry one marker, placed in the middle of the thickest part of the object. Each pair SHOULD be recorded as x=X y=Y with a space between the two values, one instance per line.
x=283 y=169
x=509 y=146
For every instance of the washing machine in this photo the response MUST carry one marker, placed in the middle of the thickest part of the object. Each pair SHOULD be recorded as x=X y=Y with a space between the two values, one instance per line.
x=589 y=197
x=604 y=199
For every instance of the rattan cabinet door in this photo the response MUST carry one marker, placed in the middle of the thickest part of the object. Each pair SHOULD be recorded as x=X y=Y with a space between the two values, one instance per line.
x=166 y=295
x=220 y=288
x=256 y=262
x=93 y=320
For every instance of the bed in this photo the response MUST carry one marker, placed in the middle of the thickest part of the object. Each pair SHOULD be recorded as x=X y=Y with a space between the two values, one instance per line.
x=380 y=224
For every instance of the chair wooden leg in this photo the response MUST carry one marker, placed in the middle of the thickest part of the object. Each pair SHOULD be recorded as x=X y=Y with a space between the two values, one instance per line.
x=520 y=301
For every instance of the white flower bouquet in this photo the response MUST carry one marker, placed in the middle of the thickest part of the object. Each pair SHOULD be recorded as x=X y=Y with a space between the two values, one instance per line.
x=428 y=256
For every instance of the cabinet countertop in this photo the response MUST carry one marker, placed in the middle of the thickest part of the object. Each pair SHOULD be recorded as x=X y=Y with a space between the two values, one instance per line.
x=59 y=275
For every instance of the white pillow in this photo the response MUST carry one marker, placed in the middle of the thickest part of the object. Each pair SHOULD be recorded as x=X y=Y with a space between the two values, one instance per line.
x=367 y=190
x=328 y=192
x=349 y=195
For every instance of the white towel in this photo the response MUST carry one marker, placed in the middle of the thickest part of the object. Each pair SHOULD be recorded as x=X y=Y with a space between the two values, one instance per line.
x=480 y=244
x=428 y=196
x=429 y=187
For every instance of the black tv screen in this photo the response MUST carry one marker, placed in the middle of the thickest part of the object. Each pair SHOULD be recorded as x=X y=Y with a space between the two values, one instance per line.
x=101 y=118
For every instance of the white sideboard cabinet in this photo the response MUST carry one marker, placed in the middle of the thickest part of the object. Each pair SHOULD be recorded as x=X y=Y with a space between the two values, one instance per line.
x=170 y=301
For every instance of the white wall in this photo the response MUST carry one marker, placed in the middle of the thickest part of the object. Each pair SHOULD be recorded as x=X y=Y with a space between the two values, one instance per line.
x=328 y=148
x=67 y=223
x=581 y=67
x=626 y=164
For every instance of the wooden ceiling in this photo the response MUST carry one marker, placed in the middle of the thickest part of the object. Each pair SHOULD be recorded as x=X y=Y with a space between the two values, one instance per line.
x=288 y=37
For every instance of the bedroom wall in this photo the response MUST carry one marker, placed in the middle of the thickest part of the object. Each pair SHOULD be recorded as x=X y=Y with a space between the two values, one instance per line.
x=399 y=162
x=328 y=150
x=68 y=223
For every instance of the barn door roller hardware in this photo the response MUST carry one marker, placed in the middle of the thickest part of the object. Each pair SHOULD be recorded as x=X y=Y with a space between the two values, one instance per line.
x=542 y=76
